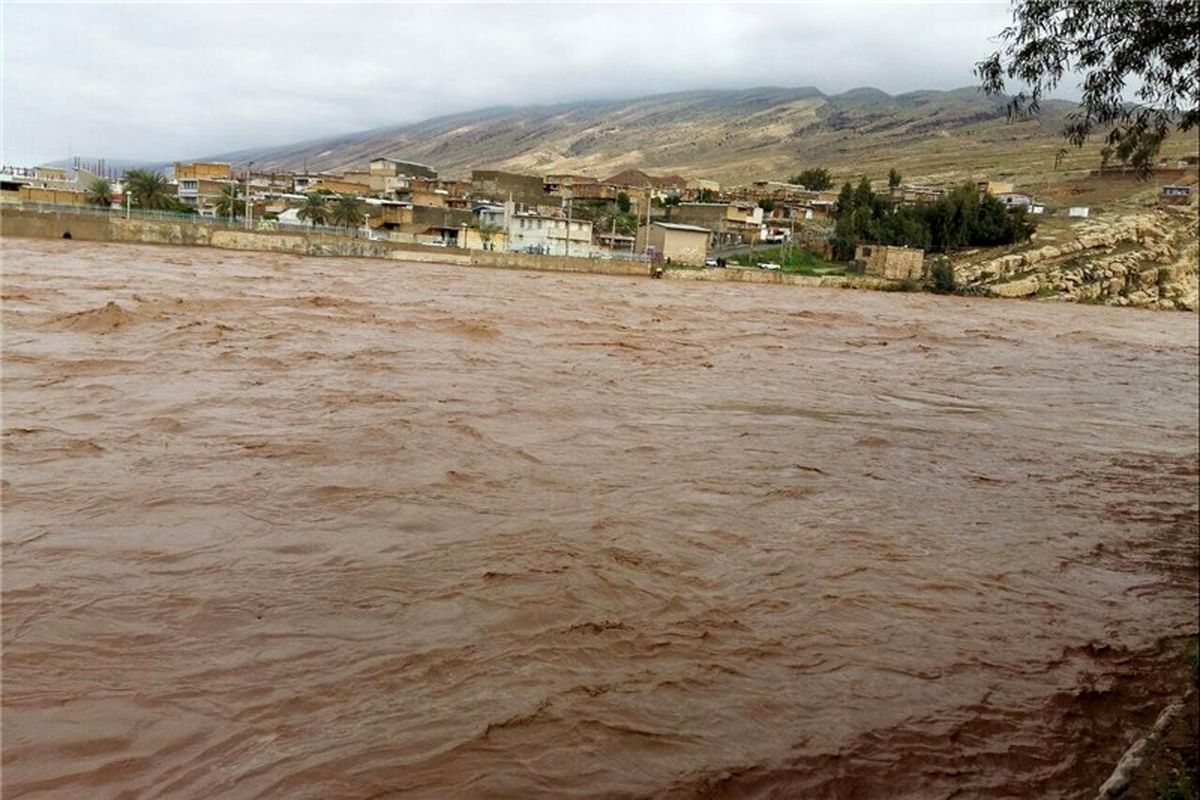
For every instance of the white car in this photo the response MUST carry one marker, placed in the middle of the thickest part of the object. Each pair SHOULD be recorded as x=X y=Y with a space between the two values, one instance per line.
x=710 y=262
x=768 y=265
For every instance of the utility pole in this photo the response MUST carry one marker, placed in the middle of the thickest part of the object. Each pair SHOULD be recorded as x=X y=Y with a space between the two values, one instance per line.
x=792 y=238
x=508 y=207
x=249 y=209
x=649 y=204
x=568 y=196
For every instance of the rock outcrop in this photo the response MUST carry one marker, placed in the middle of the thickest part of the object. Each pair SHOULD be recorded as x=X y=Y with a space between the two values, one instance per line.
x=1147 y=259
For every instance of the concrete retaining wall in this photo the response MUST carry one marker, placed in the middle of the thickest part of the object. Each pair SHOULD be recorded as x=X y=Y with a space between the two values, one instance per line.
x=778 y=278
x=53 y=225
x=14 y=222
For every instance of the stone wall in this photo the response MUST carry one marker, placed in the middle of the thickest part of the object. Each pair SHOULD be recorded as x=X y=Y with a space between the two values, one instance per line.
x=182 y=232
x=15 y=222
x=54 y=225
x=895 y=263
x=778 y=278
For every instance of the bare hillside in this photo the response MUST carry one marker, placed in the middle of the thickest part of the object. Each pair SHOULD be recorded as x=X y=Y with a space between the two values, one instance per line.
x=732 y=136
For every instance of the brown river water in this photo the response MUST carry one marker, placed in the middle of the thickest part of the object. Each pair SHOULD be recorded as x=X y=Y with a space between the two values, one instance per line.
x=337 y=528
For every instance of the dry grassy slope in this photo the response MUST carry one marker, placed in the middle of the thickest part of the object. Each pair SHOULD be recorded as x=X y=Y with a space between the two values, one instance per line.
x=733 y=136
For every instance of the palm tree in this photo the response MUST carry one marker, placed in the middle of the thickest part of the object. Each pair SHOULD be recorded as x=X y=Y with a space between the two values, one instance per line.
x=229 y=202
x=314 y=209
x=347 y=211
x=100 y=193
x=149 y=190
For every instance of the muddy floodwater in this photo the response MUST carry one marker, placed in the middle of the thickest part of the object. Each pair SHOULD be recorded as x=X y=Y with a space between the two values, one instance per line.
x=335 y=528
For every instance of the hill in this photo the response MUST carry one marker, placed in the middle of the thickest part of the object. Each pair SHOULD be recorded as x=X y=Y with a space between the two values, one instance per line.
x=732 y=136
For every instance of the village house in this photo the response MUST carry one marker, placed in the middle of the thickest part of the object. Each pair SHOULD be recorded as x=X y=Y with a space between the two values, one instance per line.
x=911 y=195
x=58 y=197
x=334 y=185
x=616 y=242
x=554 y=184
x=271 y=181
x=199 y=193
x=500 y=187
x=697 y=188
x=788 y=213
x=357 y=176
x=893 y=263
x=203 y=170
x=457 y=193
x=448 y=225
x=45 y=185
x=777 y=191
x=389 y=215
x=199 y=183
x=660 y=186
x=536 y=233
x=388 y=175
x=301 y=181
x=994 y=187
x=424 y=192
x=393 y=167
x=674 y=242
x=738 y=221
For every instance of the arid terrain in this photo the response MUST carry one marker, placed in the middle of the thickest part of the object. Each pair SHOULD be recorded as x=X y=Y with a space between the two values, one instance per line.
x=734 y=136
x=338 y=528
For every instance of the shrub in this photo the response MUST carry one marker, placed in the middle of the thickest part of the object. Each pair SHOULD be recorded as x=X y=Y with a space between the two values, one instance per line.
x=941 y=278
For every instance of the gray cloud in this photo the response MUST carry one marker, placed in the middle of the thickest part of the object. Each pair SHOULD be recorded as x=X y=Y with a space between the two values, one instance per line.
x=168 y=81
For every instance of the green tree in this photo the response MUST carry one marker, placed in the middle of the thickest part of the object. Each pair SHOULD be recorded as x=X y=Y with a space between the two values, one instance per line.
x=314 y=209
x=347 y=211
x=230 y=203
x=706 y=196
x=817 y=179
x=100 y=192
x=961 y=219
x=488 y=231
x=623 y=203
x=845 y=201
x=149 y=190
x=864 y=195
x=767 y=205
x=1154 y=46
x=894 y=178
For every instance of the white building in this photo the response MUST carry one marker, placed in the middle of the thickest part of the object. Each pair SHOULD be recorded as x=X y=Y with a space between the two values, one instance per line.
x=533 y=233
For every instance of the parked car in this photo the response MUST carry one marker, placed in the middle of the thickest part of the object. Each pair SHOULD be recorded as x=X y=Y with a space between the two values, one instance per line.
x=711 y=262
x=768 y=265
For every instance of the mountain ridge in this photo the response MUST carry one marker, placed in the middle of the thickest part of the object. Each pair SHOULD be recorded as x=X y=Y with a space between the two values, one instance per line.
x=727 y=134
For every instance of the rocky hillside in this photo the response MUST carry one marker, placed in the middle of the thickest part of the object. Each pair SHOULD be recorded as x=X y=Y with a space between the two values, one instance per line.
x=732 y=136
x=1145 y=258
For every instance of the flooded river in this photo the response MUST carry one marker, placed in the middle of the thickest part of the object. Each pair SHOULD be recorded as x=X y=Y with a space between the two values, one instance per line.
x=334 y=528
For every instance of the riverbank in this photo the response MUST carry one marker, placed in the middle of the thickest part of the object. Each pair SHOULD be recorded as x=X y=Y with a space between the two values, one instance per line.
x=89 y=227
x=1163 y=763
x=16 y=222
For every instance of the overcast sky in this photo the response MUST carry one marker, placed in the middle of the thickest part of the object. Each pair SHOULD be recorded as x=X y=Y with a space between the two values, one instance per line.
x=160 y=81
